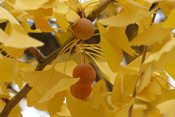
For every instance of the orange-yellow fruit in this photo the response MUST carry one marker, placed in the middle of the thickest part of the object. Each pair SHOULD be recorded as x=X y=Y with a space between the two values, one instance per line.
x=81 y=91
x=85 y=72
x=84 y=29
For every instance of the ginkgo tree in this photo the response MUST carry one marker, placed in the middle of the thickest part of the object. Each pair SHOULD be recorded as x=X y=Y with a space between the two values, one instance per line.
x=63 y=83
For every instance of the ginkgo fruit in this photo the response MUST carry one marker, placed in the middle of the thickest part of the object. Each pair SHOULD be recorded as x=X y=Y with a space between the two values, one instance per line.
x=83 y=29
x=80 y=90
x=85 y=72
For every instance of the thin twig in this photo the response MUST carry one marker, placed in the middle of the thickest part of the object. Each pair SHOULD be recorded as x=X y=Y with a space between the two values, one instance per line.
x=138 y=78
x=140 y=74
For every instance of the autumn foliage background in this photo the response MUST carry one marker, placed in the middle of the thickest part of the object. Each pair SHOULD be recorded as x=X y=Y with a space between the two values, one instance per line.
x=133 y=56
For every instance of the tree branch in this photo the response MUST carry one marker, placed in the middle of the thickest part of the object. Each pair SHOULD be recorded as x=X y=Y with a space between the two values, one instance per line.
x=37 y=54
x=99 y=9
x=43 y=61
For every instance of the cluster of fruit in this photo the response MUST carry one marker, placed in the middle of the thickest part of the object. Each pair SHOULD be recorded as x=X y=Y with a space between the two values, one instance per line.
x=82 y=89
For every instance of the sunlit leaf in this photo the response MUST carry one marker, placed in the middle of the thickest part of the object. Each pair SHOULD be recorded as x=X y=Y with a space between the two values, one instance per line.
x=170 y=68
x=29 y=4
x=42 y=24
x=105 y=69
x=16 y=111
x=32 y=98
x=8 y=69
x=64 y=111
x=72 y=16
x=167 y=108
x=41 y=12
x=62 y=85
x=54 y=104
x=109 y=48
x=154 y=33
x=167 y=94
x=2 y=104
x=5 y=15
x=63 y=23
x=49 y=81
x=138 y=110
x=19 y=39
x=3 y=91
x=94 y=106
x=160 y=58
x=61 y=8
x=170 y=21
x=121 y=19
x=119 y=96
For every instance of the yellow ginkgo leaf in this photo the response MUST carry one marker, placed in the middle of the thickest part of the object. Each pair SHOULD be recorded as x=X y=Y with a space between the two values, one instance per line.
x=15 y=112
x=153 y=111
x=70 y=65
x=54 y=104
x=79 y=108
x=2 y=105
x=144 y=24
x=117 y=36
x=107 y=72
x=5 y=15
x=32 y=98
x=47 y=79
x=94 y=106
x=126 y=18
x=167 y=6
x=4 y=36
x=154 y=33
x=113 y=53
x=152 y=1
x=14 y=52
x=63 y=23
x=119 y=97
x=72 y=16
x=19 y=38
x=64 y=111
x=50 y=80
x=27 y=27
x=138 y=110
x=42 y=24
x=29 y=4
x=89 y=6
x=123 y=112
x=156 y=61
x=61 y=8
x=170 y=21
x=50 y=4
x=167 y=108
x=61 y=85
x=41 y=12
x=160 y=58
x=167 y=94
x=145 y=79
x=8 y=69
x=3 y=91
x=170 y=68
x=149 y=93
x=99 y=95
